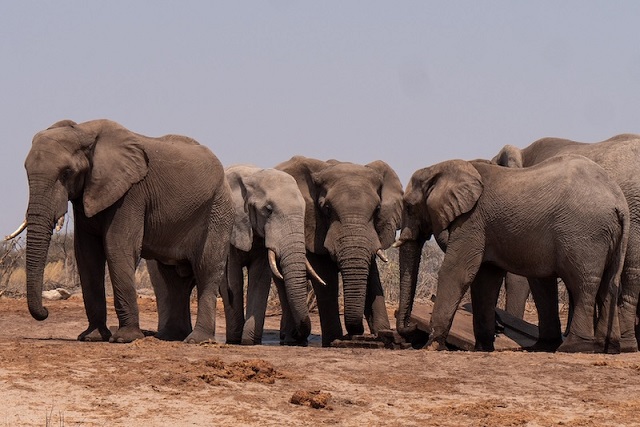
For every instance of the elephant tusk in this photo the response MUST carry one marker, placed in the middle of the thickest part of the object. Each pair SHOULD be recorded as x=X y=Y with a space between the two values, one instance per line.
x=19 y=230
x=382 y=256
x=274 y=265
x=60 y=223
x=397 y=243
x=313 y=273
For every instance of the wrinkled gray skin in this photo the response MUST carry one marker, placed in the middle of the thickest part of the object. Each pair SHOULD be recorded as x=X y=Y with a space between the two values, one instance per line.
x=516 y=294
x=533 y=222
x=620 y=157
x=269 y=215
x=133 y=196
x=352 y=211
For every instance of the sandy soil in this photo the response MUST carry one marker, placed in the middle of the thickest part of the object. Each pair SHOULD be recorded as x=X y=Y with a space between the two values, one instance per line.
x=48 y=378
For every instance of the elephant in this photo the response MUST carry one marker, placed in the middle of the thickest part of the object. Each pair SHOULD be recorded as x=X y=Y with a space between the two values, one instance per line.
x=620 y=157
x=267 y=239
x=133 y=196
x=516 y=293
x=533 y=222
x=352 y=213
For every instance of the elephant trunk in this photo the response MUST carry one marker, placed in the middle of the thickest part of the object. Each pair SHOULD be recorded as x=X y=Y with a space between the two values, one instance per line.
x=409 y=260
x=294 y=271
x=39 y=230
x=355 y=262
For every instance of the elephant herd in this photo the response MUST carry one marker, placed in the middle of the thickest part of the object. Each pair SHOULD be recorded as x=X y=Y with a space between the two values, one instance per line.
x=556 y=209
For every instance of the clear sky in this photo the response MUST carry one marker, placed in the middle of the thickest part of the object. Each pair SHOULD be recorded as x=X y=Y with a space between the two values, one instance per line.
x=410 y=82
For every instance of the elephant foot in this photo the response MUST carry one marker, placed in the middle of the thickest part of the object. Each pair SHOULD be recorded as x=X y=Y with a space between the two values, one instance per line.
x=250 y=341
x=484 y=346
x=435 y=345
x=233 y=341
x=197 y=337
x=545 y=345
x=293 y=342
x=169 y=334
x=126 y=334
x=609 y=347
x=95 y=334
x=575 y=344
x=628 y=345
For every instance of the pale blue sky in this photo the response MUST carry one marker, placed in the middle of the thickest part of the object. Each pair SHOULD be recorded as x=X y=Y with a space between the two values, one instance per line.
x=409 y=82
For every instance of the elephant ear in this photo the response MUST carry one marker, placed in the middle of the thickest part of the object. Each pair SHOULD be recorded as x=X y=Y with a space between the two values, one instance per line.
x=62 y=123
x=388 y=220
x=242 y=234
x=315 y=225
x=118 y=162
x=510 y=156
x=452 y=188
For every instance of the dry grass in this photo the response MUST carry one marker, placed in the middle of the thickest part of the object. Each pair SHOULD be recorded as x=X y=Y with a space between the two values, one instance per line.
x=61 y=271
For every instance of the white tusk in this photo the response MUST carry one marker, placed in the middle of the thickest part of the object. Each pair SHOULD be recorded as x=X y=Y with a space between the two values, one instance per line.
x=274 y=265
x=313 y=273
x=397 y=243
x=60 y=223
x=18 y=231
x=382 y=256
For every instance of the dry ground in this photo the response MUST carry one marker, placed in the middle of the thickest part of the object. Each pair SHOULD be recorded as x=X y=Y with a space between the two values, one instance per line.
x=48 y=378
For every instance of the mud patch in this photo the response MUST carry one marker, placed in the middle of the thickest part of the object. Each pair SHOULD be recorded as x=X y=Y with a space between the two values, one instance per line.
x=315 y=399
x=255 y=370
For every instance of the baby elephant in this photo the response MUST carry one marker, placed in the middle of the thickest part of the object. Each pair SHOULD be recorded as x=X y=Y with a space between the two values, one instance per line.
x=562 y=218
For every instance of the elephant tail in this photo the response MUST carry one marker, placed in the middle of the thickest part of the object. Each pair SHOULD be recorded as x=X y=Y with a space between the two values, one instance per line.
x=611 y=288
x=613 y=272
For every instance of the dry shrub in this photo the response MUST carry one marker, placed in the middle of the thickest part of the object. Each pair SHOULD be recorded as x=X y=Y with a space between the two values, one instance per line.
x=60 y=270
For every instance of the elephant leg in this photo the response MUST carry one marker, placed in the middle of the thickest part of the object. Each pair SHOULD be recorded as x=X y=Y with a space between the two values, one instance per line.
x=581 y=336
x=123 y=242
x=569 y=313
x=90 y=258
x=485 y=290
x=454 y=278
x=545 y=296
x=517 y=293
x=375 y=309
x=629 y=309
x=607 y=322
x=173 y=294
x=259 y=284
x=232 y=293
x=209 y=270
x=327 y=297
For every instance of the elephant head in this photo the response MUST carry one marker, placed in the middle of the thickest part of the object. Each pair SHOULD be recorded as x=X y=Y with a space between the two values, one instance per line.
x=93 y=164
x=352 y=214
x=269 y=206
x=434 y=198
x=510 y=156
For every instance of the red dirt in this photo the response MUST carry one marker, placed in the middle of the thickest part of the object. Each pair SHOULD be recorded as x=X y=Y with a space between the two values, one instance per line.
x=48 y=378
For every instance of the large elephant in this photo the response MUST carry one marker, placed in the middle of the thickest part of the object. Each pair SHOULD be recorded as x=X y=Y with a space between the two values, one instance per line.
x=133 y=197
x=352 y=213
x=563 y=218
x=620 y=157
x=267 y=239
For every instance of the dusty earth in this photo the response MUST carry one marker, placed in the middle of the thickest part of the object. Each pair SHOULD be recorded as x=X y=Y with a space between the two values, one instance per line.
x=48 y=378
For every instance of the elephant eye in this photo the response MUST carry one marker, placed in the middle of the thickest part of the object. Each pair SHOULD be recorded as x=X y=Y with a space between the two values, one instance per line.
x=268 y=209
x=65 y=174
x=326 y=208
